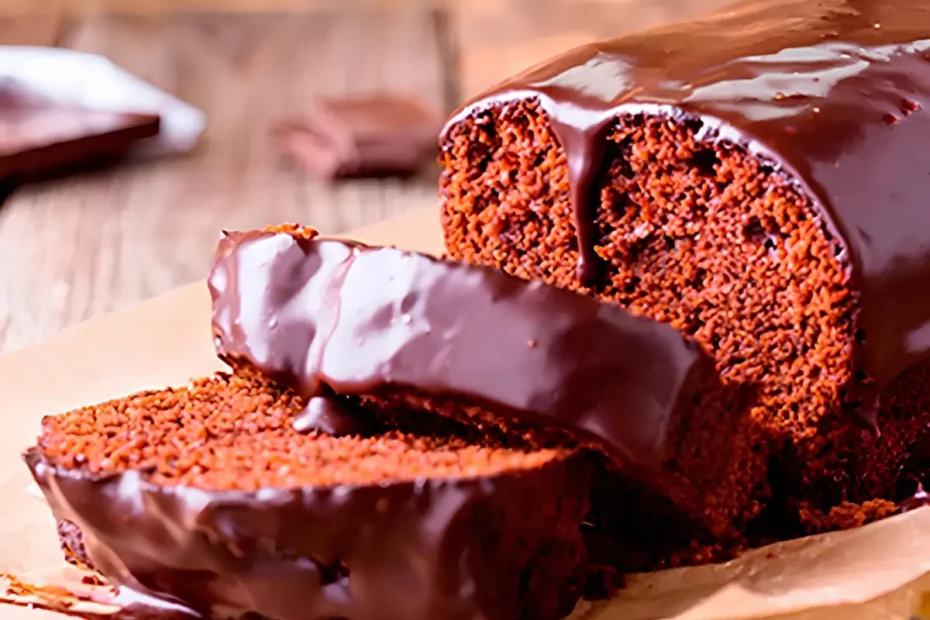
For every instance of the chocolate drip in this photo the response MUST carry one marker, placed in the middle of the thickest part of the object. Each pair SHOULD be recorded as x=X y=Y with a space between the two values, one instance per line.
x=834 y=94
x=327 y=316
x=586 y=142
x=334 y=416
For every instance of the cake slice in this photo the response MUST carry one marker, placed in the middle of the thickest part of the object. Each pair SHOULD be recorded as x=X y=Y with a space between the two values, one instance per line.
x=404 y=334
x=207 y=500
x=758 y=180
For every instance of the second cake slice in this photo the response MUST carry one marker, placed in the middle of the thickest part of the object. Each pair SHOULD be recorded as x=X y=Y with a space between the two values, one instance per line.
x=408 y=333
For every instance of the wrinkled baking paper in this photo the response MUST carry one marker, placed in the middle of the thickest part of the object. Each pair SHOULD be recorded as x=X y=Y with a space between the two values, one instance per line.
x=94 y=82
x=877 y=572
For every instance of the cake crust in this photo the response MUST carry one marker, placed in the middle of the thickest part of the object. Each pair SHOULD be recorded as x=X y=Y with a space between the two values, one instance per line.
x=410 y=550
x=821 y=90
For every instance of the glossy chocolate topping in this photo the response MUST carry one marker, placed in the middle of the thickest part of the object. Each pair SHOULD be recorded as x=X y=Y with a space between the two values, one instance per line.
x=335 y=417
x=332 y=316
x=833 y=93
x=409 y=550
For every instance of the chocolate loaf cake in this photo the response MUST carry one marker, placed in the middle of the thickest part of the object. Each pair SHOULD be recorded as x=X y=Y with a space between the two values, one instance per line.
x=208 y=502
x=403 y=332
x=758 y=180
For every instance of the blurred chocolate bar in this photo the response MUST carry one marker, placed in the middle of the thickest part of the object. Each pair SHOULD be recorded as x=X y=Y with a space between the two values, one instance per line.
x=40 y=137
x=370 y=136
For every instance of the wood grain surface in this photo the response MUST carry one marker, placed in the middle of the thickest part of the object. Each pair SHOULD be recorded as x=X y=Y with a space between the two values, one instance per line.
x=84 y=245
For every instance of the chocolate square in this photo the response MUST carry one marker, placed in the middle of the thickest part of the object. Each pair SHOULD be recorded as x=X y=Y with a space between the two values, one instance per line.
x=366 y=136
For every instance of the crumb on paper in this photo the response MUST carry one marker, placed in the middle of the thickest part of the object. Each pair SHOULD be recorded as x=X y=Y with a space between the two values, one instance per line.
x=16 y=589
x=847 y=515
x=50 y=597
x=93 y=580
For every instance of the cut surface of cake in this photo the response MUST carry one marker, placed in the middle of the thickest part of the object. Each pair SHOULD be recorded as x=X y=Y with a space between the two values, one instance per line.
x=207 y=499
x=758 y=180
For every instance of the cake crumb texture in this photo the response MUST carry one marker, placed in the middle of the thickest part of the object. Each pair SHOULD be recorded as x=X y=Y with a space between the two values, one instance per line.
x=234 y=432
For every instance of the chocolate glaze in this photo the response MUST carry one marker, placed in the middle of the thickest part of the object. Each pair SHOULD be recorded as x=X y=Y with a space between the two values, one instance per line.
x=325 y=315
x=409 y=550
x=335 y=417
x=835 y=94
x=587 y=146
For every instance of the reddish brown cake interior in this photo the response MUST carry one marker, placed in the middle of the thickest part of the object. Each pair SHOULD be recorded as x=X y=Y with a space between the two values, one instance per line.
x=234 y=432
x=705 y=237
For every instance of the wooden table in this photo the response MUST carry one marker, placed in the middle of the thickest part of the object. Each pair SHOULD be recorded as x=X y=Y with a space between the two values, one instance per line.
x=88 y=244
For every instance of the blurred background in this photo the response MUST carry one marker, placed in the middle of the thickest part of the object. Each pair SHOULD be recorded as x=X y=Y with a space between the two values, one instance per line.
x=91 y=242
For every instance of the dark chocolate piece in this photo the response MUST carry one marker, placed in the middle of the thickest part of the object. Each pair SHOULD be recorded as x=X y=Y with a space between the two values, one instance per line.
x=41 y=138
x=834 y=92
x=373 y=136
x=321 y=315
x=410 y=550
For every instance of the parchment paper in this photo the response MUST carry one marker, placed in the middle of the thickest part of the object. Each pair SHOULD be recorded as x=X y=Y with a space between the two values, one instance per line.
x=877 y=572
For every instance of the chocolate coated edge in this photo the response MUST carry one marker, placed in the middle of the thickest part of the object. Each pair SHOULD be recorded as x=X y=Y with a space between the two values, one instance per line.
x=843 y=113
x=328 y=316
x=409 y=550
